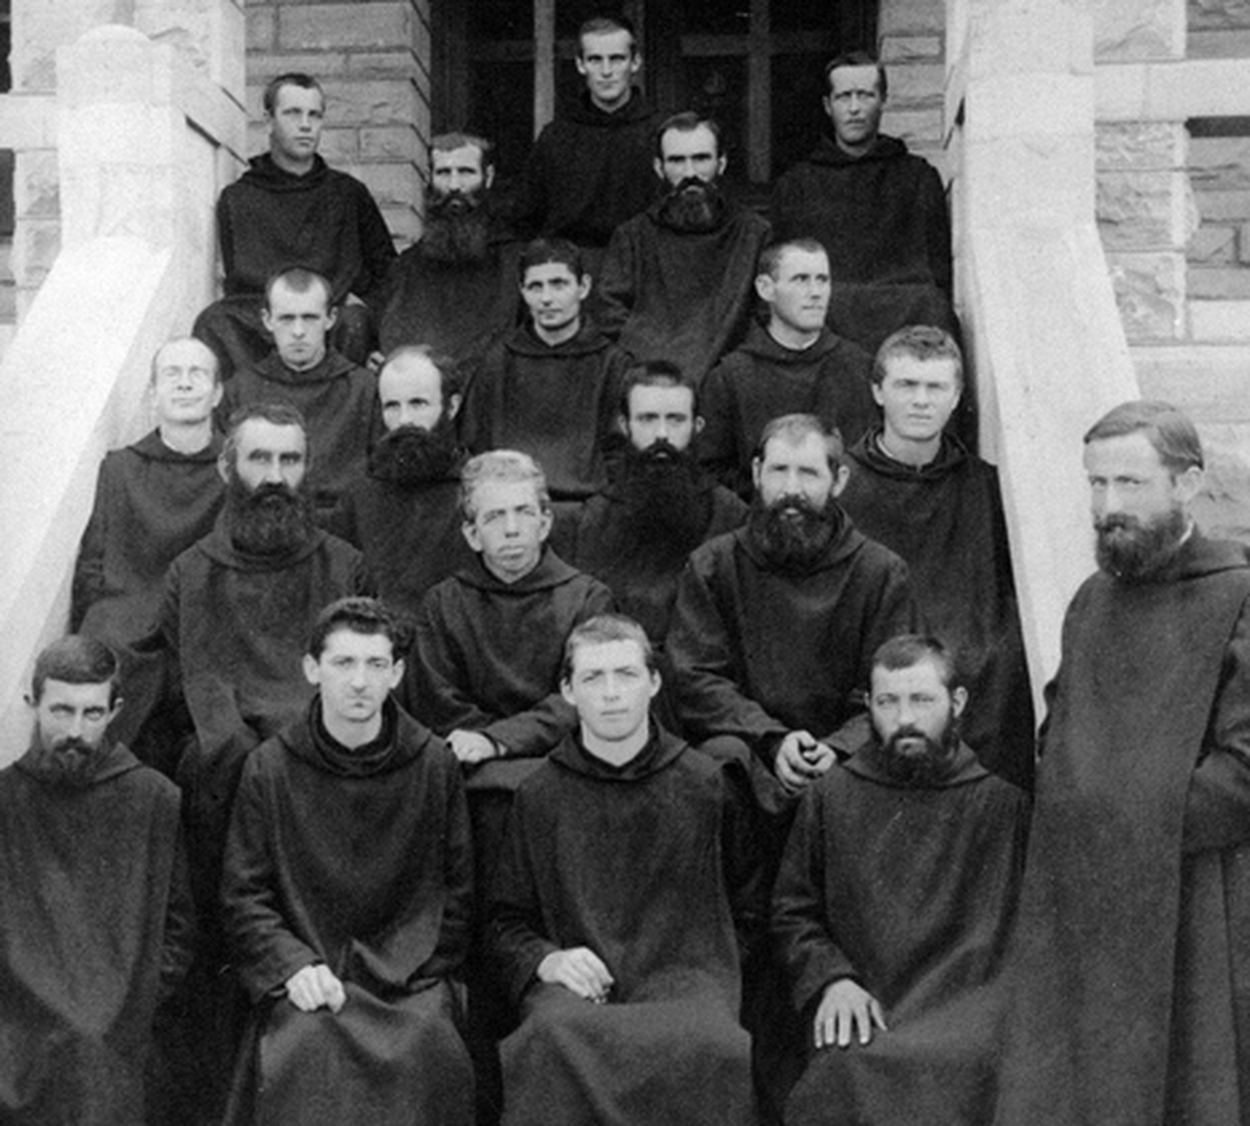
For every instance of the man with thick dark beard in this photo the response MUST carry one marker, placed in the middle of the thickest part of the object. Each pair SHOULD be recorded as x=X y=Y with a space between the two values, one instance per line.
x=1129 y=971
x=775 y=623
x=676 y=283
x=404 y=514
x=236 y=612
x=892 y=910
x=455 y=289
x=97 y=921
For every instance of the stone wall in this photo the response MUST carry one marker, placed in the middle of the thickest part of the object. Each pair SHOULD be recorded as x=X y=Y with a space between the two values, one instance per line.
x=373 y=59
x=911 y=37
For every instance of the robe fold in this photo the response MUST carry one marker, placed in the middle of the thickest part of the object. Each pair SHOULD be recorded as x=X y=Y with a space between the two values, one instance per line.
x=911 y=892
x=762 y=380
x=1131 y=981
x=945 y=520
x=96 y=928
x=682 y=296
x=360 y=860
x=645 y=865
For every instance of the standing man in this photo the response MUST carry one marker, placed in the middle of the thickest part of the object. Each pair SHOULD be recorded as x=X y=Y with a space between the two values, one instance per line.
x=287 y=209
x=676 y=281
x=878 y=210
x=404 y=512
x=97 y=920
x=916 y=489
x=454 y=290
x=346 y=893
x=792 y=364
x=1129 y=969
x=590 y=169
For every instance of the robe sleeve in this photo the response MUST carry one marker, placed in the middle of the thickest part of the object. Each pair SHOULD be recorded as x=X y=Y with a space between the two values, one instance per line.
x=88 y=584
x=717 y=446
x=179 y=945
x=616 y=283
x=436 y=688
x=377 y=250
x=701 y=649
x=266 y=952
x=742 y=858
x=800 y=929
x=938 y=230
x=1217 y=808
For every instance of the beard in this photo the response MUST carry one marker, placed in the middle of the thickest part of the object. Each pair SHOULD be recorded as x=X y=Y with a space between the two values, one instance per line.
x=693 y=206
x=1133 y=549
x=928 y=766
x=66 y=762
x=457 y=228
x=409 y=455
x=663 y=501
x=792 y=533
x=271 y=519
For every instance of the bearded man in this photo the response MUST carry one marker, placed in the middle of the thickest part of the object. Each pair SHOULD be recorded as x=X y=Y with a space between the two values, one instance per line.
x=454 y=290
x=97 y=918
x=892 y=910
x=1130 y=977
x=404 y=513
x=677 y=282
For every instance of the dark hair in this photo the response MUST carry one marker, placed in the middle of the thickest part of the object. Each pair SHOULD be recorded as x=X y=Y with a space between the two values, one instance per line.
x=656 y=373
x=1170 y=431
x=291 y=78
x=793 y=428
x=858 y=58
x=360 y=615
x=600 y=630
x=770 y=257
x=75 y=659
x=279 y=414
x=907 y=650
x=544 y=250
x=920 y=342
x=449 y=142
x=687 y=122
x=298 y=279
x=450 y=382
x=606 y=25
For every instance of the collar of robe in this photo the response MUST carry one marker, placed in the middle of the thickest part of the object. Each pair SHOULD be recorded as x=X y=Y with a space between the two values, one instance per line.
x=396 y=744
x=965 y=767
x=660 y=751
x=108 y=762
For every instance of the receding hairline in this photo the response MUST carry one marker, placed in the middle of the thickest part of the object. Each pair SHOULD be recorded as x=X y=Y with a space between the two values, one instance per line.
x=176 y=340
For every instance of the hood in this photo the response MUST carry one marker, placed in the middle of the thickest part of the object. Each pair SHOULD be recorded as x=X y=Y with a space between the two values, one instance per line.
x=109 y=762
x=551 y=572
x=828 y=153
x=585 y=112
x=263 y=173
x=661 y=750
x=967 y=768
x=1197 y=558
x=218 y=546
x=151 y=448
x=332 y=366
x=524 y=342
x=760 y=343
x=847 y=541
x=401 y=740
x=868 y=452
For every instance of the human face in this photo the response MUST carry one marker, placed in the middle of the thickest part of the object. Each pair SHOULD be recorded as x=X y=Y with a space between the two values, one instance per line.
x=608 y=62
x=917 y=397
x=459 y=170
x=508 y=528
x=797 y=469
x=184 y=383
x=411 y=392
x=554 y=297
x=1129 y=484
x=72 y=718
x=913 y=704
x=299 y=323
x=798 y=297
x=657 y=413
x=689 y=154
x=612 y=689
x=355 y=672
x=295 y=127
x=854 y=105
x=265 y=453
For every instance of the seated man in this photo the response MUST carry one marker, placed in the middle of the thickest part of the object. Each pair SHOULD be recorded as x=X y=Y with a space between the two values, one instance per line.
x=916 y=489
x=617 y=917
x=547 y=388
x=346 y=896
x=792 y=365
x=337 y=399
x=153 y=500
x=892 y=910
x=404 y=513
x=454 y=290
x=288 y=208
x=97 y=920
x=676 y=280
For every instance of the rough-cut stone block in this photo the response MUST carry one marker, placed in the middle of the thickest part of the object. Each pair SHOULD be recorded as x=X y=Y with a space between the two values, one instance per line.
x=911 y=17
x=43 y=27
x=916 y=82
x=372 y=102
x=1150 y=294
x=924 y=127
x=336 y=26
x=1140 y=145
x=404 y=224
x=36 y=185
x=36 y=243
x=320 y=64
x=1143 y=210
x=389 y=142
x=1218 y=207
x=1211 y=245
x=1220 y=320
x=262 y=28
x=911 y=48
x=1208 y=15
x=385 y=64
x=1220 y=163
x=1218 y=284
x=1223 y=44
x=339 y=146
x=1138 y=29
x=392 y=185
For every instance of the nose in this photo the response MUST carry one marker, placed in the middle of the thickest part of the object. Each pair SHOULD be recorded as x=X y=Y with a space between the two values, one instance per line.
x=358 y=676
x=511 y=524
x=611 y=689
x=793 y=482
x=75 y=725
x=273 y=473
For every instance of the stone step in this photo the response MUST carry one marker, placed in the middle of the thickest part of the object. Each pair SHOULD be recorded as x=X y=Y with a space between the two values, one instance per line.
x=1220 y=321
